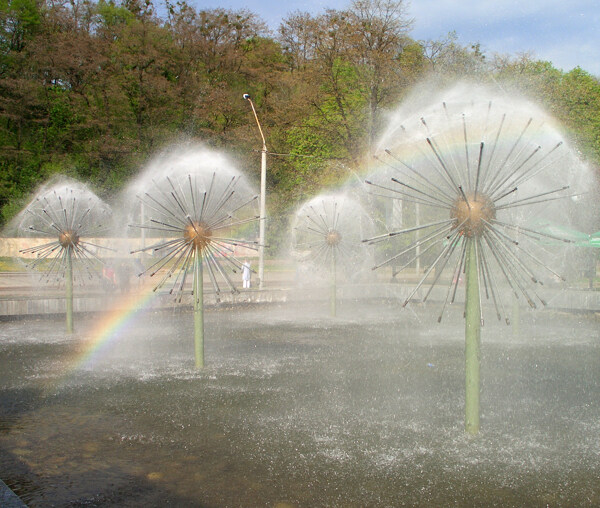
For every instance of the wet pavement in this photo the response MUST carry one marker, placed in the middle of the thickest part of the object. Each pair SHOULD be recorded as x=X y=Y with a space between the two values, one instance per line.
x=295 y=408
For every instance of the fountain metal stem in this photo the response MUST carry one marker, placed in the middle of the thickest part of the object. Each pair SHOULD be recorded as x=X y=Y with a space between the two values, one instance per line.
x=333 y=295
x=472 y=341
x=198 y=309
x=69 y=289
x=516 y=318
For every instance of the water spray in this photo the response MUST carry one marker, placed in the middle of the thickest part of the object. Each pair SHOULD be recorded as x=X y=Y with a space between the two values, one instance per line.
x=466 y=174
x=199 y=212
x=326 y=234
x=66 y=213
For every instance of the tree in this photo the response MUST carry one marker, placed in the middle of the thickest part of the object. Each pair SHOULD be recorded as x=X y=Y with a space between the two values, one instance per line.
x=380 y=32
x=92 y=88
x=354 y=61
x=20 y=20
x=572 y=97
x=450 y=60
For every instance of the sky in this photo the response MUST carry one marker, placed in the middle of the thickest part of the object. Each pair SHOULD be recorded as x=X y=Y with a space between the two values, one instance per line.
x=564 y=32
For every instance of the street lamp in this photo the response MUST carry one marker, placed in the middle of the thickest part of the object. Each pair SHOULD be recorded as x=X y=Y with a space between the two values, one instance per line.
x=263 y=192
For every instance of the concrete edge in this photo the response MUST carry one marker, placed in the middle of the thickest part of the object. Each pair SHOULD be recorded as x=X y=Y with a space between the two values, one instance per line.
x=563 y=300
x=8 y=499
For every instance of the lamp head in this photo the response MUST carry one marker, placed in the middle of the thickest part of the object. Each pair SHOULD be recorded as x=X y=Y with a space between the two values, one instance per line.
x=246 y=96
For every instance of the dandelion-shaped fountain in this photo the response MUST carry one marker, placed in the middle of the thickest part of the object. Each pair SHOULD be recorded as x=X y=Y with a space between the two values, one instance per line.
x=464 y=163
x=67 y=212
x=197 y=202
x=327 y=231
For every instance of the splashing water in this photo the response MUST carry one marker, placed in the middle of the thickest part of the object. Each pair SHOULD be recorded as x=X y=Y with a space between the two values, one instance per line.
x=198 y=205
x=329 y=228
x=481 y=170
x=70 y=216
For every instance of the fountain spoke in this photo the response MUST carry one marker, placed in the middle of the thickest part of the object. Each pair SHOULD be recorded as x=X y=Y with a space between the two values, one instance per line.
x=516 y=170
x=453 y=184
x=493 y=285
x=512 y=275
x=440 y=269
x=170 y=227
x=404 y=199
x=314 y=215
x=407 y=230
x=336 y=216
x=244 y=204
x=452 y=283
x=169 y=256
x=536 y=234
x=239 y=222
x=437 y=153
x=179 y=287
x=477 y=259
x=429 y=184
x=500 y=169
x=442 y=254
x=478 y=172
x=528 y=200
x=161 y=208
x=250 y=244
x=417 y=243
x=482 y=273
x=227 y=193
x=516 y=261
x=530 y=174
x=231 y=259
x=219 y=269
x=212 y=268
x=431 y=197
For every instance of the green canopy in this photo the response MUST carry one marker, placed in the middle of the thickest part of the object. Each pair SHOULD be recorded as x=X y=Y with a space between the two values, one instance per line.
x=594 y=240
x=558 y=233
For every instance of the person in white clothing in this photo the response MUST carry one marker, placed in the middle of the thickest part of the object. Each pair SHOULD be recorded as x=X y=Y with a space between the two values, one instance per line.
x=246 y=274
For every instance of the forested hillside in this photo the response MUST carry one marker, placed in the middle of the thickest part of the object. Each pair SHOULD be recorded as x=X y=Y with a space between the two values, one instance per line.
x=92 y=89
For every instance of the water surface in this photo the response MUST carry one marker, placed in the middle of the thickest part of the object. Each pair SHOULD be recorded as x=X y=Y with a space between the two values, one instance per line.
x=298 y=409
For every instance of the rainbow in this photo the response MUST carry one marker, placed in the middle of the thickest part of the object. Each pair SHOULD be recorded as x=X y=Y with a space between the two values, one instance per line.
x=110 y=328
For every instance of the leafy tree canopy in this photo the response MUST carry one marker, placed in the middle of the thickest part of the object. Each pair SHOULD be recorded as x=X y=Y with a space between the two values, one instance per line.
x=93 y=88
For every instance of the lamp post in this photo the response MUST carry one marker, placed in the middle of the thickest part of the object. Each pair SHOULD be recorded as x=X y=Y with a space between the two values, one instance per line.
x=263 y=192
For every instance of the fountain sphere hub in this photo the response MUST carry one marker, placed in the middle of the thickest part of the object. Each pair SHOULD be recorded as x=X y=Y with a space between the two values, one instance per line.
x=333 y=238
x=68 y=238
x=471 y=213
x=198 y=233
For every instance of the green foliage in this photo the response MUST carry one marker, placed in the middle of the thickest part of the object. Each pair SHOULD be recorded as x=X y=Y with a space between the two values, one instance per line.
x=580 y=109
x=112 y=15
x=19 y=21
x=572 y=97
x=94 y=91
x=10 y=265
